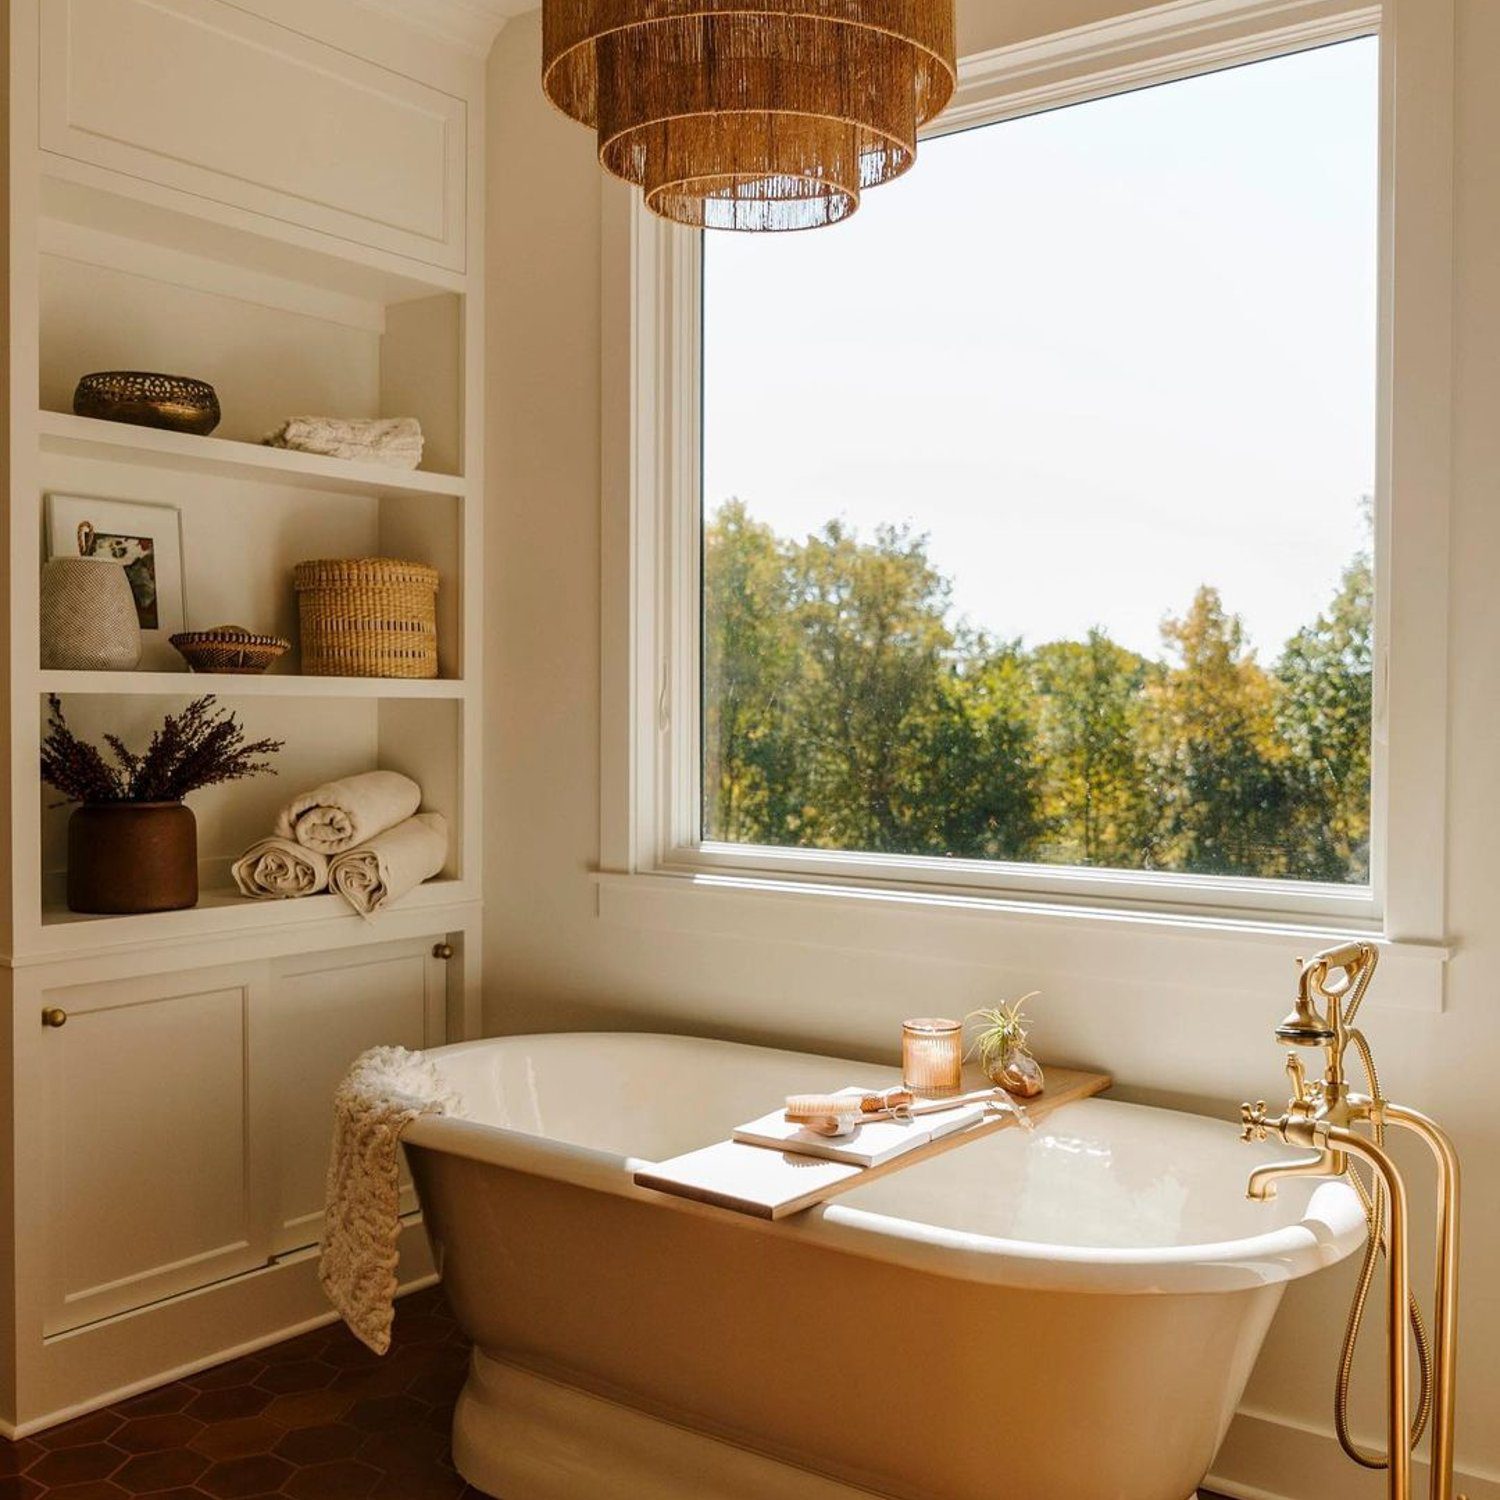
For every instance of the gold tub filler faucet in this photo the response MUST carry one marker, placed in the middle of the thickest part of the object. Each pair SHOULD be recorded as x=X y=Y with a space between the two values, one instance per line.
x=1344 y=1127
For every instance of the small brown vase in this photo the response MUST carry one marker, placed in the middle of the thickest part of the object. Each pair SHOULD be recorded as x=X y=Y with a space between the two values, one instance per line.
x=125 y=858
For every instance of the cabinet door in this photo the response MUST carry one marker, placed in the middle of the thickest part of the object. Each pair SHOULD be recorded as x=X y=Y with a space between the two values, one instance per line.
x=203 y=97
x=320 y=1012
x=150 y=1179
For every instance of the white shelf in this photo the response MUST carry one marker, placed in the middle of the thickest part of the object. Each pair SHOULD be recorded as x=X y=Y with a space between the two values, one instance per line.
x=223 y=911
x=234 y=685
x=119 y=442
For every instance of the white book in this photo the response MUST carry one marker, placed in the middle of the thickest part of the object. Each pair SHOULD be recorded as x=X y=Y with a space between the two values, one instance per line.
x=872 y=1143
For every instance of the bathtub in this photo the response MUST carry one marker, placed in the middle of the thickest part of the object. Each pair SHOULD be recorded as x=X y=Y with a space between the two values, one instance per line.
x=1066 y=1314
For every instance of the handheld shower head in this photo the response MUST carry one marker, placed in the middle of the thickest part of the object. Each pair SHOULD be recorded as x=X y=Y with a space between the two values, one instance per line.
x=1305 y=1026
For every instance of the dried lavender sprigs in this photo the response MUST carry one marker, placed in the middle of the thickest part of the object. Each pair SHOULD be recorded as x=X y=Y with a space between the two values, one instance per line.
x=202 y=746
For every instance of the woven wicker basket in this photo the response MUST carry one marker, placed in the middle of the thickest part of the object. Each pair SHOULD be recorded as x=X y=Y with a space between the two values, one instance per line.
x=229 y=648
x=367 y=617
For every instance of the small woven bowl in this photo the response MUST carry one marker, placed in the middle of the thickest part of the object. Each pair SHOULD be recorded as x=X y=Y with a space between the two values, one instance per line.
x=174 y=402
x=229 y=648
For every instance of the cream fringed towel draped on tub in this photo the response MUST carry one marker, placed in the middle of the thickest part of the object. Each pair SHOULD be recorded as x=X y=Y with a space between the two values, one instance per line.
x=385 y=1090
x=340 y=814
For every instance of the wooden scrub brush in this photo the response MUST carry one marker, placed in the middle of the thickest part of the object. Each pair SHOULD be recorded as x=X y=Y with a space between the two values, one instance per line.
x=843 y=1114
x=839 y=1114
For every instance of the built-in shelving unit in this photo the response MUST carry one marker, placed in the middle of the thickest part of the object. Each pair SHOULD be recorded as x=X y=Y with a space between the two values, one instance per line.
x=286 y=201
x=283 y=324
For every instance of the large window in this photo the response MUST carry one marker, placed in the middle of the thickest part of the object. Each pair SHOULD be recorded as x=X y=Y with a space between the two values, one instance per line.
x=1036 y=499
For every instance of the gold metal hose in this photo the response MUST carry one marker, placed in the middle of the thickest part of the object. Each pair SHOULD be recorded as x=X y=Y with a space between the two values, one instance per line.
x=1373 y=1199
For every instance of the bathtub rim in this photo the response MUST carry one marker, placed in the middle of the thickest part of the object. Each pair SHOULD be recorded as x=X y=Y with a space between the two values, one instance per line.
x=1332 y=1225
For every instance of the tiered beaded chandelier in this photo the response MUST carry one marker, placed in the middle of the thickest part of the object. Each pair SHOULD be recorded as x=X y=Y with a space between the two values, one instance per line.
x=769 y=115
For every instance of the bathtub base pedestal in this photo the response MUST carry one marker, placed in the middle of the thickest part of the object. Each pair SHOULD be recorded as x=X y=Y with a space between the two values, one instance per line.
x=525 y=1437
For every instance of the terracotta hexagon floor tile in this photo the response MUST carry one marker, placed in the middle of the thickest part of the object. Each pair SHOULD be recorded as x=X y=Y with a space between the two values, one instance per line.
x=309 y=1408
x=96 y=1427
x=447 y=1486
x=406 y=1451
x=237 y=1439
x=440 y=1387
x=299 y=1375
x=14 y=1457
x=391 y=1380
x=350 y=1355
x=14 y=1488
x=168 y=1398
x=304 y=1346
x=382 y=1413
x=343 y=1479
x=98 y=1489
x=152 y=1434
x=235 y=1401
x=147 y=1473
x=239 y=1478
x=319 y=1445
x=76 y=1465
x=224 y=1377
x=425 y=1330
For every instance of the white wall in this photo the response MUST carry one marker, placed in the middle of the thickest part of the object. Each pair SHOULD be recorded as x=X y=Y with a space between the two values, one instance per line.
x=552 y=964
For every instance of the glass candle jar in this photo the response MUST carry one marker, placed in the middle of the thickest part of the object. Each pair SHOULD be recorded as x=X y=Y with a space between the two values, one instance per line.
x=932 y=1055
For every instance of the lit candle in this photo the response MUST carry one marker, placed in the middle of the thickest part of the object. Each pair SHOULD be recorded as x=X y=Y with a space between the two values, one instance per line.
x=932 y=1055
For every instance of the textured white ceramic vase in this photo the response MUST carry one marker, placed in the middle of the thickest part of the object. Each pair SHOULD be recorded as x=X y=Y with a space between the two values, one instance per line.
x=89 y=620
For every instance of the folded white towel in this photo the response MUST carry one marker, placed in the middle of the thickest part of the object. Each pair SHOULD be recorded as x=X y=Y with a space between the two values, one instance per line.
x=382 y=871
x=394 y=441
x=385 y=1090
x=280 y=868
x=341 y=814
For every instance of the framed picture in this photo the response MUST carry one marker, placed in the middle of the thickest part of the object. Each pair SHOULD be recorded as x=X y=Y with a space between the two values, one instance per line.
x=146 y=540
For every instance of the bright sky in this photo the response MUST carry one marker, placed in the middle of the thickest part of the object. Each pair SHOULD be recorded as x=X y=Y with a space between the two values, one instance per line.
x=1101 y=355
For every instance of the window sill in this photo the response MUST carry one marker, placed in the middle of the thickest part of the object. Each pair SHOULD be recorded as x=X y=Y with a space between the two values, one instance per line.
x=1212 y=954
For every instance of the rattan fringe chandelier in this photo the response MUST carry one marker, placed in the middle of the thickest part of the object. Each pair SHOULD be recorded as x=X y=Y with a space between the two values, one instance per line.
x=769 y=115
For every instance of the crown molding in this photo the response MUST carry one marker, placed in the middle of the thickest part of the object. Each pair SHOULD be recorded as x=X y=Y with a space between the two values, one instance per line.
x=470 y=24
x=1144 y=47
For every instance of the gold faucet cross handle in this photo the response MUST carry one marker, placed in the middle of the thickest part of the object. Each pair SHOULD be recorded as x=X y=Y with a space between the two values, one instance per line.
x=1253 y=1125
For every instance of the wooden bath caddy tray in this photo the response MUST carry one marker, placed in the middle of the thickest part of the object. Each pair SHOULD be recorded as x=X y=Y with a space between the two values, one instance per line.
x=771 y=1184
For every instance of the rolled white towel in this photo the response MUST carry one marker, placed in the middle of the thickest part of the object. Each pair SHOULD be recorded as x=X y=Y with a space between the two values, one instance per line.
x=381 y=872
x=394 y=441
x=340 y=814
x=279 y=868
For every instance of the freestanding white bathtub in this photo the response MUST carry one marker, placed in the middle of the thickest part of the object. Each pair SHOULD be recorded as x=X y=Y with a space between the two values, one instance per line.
x=1069 y=1314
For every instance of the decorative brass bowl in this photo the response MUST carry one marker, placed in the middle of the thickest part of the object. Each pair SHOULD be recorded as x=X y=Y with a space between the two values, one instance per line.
x=229 y=648
x=173 y=402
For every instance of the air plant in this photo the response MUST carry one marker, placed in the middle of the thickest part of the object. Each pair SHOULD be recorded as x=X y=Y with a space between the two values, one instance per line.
x=202 y=746
x=1000 y=1042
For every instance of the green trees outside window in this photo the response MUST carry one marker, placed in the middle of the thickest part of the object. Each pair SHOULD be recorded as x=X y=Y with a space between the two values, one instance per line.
x=844 y=708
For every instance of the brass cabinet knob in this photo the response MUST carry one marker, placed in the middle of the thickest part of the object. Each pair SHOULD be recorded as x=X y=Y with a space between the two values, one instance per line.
x=442 y=950
x=54 y=1015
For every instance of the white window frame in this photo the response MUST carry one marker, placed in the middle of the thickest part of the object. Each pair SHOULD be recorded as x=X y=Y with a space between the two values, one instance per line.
x=651 y=509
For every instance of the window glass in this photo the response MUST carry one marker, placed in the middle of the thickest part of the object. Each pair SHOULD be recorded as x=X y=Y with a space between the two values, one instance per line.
x=1037 y=518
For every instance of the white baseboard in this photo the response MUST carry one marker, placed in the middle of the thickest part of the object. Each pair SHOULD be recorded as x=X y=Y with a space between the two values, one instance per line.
x=1266 y=1458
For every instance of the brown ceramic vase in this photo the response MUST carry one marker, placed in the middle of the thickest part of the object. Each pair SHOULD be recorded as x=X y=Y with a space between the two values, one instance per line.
x=125 y=858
